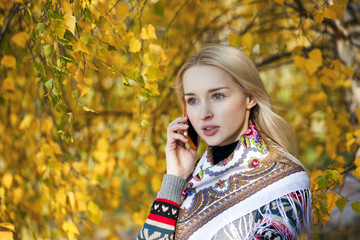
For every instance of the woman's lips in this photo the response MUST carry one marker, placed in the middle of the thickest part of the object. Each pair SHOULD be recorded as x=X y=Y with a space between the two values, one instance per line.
x=210 y=130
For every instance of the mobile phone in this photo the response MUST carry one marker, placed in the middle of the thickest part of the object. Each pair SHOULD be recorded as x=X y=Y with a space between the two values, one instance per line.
x=191 y=135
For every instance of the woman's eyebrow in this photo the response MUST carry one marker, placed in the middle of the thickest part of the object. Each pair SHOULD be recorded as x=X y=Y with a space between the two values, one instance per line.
x=210 y=91
x=217 y=89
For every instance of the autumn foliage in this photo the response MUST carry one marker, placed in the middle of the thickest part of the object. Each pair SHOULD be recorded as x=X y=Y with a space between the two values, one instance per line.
x=87 y=91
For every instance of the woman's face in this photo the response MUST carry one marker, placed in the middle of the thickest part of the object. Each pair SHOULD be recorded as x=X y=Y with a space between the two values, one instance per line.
x=216 y=105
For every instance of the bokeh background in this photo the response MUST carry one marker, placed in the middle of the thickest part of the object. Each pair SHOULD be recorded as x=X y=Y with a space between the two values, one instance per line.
x=87 y=91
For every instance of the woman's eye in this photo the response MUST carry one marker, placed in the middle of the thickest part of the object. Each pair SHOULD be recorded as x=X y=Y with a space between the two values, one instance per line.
x=191 y=101
x=217 y=96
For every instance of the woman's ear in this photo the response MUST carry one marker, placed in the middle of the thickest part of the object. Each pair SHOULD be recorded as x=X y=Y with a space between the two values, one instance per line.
x=250 y=102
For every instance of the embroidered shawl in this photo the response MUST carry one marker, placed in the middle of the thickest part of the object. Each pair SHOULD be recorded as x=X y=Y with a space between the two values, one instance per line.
x=217 y=195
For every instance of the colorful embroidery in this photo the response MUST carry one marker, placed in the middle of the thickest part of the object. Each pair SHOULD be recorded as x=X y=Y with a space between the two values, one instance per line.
x=220 y=184
x=253 y=163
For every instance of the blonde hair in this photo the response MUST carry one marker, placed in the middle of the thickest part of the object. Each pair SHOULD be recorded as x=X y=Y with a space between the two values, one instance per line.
x=275 y=131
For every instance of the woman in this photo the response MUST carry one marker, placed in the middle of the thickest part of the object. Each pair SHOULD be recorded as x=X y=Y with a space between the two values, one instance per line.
x=248 y=184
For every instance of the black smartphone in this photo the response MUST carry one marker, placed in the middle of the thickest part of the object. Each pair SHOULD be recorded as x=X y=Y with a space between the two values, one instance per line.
x=191 y=135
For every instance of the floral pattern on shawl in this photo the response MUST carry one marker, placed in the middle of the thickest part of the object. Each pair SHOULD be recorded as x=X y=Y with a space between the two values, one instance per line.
x=250 y=139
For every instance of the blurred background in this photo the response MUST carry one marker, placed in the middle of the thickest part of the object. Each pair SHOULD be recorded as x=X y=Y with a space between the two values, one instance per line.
x=87 y=91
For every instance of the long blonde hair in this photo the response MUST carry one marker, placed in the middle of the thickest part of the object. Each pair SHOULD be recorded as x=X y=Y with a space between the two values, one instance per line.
x=276 y=132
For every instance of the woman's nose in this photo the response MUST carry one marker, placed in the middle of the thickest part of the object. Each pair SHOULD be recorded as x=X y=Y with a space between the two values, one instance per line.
x=205 y=112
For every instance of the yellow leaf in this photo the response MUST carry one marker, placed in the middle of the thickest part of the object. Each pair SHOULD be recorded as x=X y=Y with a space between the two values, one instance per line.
x=135 y=45
x=8 y=84
x=153 y=88
x=330 y=13
x=67 y=7
x=314 y=61
x=234 y=40
x=348 y=71
x=299 y=61
x=6 y=235
x=319 y=16
x=316 y=56
x=71 y=197
x=331 y=200
x=18 y=195
x=60 y=197
x=281 y=2
x=7 y=226
x=155 y=48
x=94 y=213
x=340 y=159
x=80 y=46
x=47 y=150
x=79 y=74
x=326 y=81
x=70 y=23
x=70 y=227
x=357 y=162
x=7 y=180
x=8 y=61
x=122 y=10
x=148 y=32
x=155 y=183
x=56 y=148
x=247 y=42
x=83 y=88
x=26 y=122
x=20 y=39
x=100 y=155
x=356 y=172
x=357 y=133
x=150 y=160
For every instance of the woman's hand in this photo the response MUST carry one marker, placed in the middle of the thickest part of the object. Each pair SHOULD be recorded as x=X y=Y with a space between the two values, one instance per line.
x=179 y=160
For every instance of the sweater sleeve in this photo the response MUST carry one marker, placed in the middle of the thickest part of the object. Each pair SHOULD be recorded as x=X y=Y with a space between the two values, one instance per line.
x=161 y=221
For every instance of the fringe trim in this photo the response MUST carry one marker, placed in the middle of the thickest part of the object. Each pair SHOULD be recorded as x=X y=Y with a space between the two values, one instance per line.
x=298 y=205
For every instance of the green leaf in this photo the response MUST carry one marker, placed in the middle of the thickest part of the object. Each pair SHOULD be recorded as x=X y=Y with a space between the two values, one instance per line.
x=48 y=50
x=2 y=100
x=125 y=81
x=87 y=15
x=341 y=203
x=111 y=48
x=144 y=122
x=159 y=8
x=63 y=41
x=332 y=174
x=48 y=84
x=39 y=67
x=60 y=28
x=140 y=79
x=69 y=58
x=54 y=15
x=356 y=206
x=44 y=79
x=69 y=36
x=323 y=181
x=41 y=28
x=89 y=109
x=323 y=204
x=27 y=16
x=58 y=71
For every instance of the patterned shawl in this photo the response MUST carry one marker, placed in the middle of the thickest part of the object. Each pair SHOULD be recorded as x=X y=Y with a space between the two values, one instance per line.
x=217 y=195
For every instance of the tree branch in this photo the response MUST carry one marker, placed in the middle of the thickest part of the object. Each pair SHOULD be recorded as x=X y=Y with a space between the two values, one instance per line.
x=7 y=21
